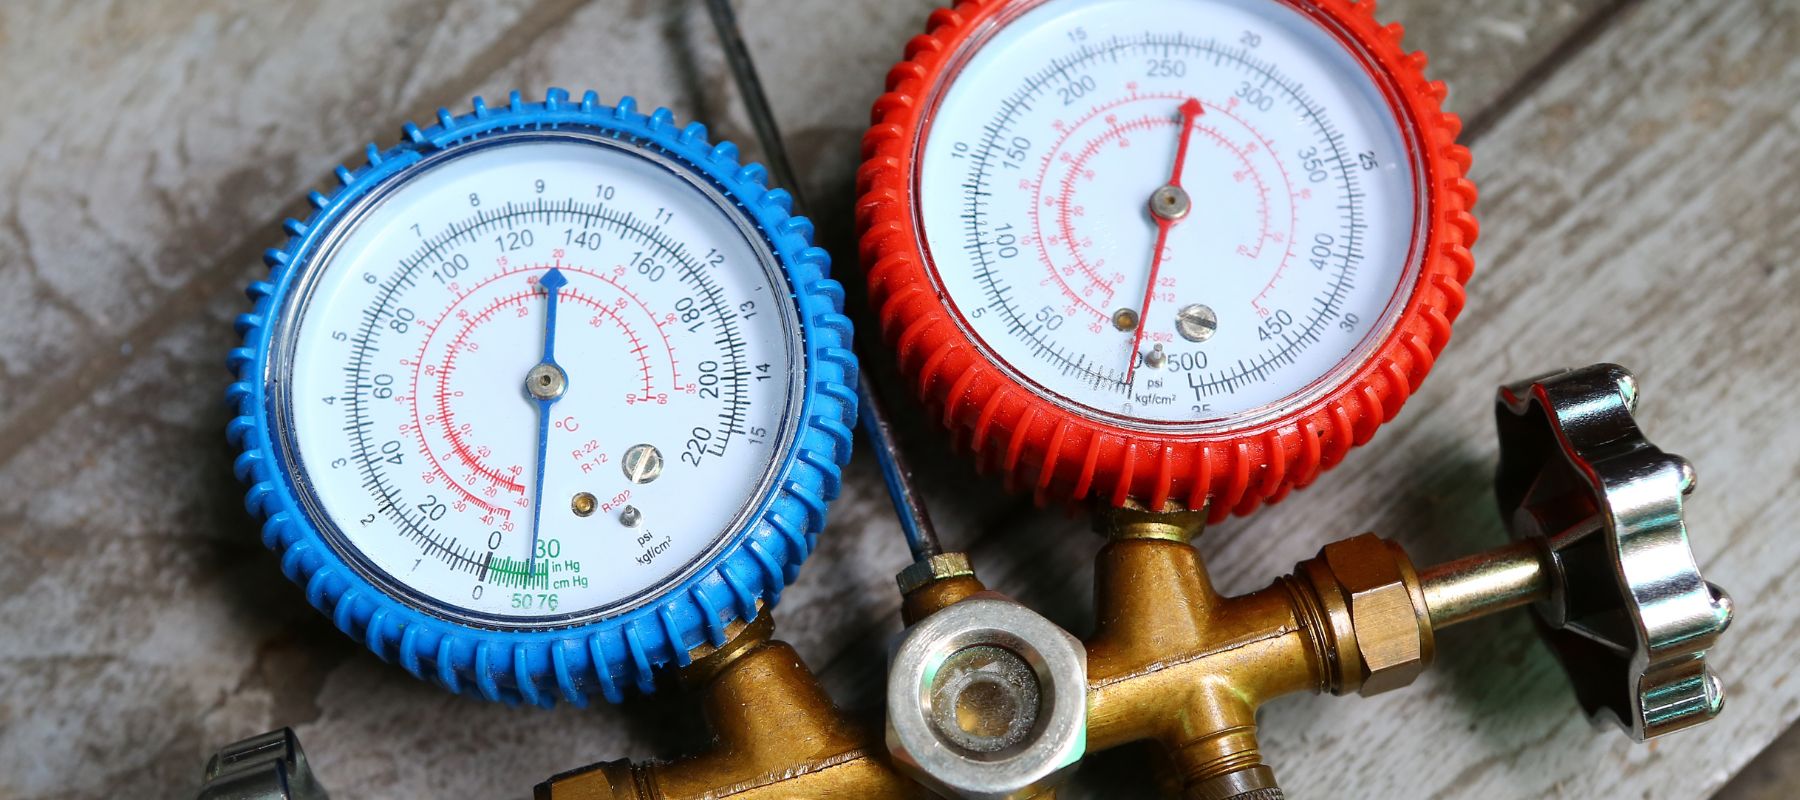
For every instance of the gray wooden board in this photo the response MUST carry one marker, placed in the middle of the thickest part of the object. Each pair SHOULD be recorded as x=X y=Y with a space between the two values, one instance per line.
x=144 y=624
x=1637 y=171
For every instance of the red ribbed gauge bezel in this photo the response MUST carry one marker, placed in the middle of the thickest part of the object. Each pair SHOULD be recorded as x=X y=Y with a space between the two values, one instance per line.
x=1061 y=454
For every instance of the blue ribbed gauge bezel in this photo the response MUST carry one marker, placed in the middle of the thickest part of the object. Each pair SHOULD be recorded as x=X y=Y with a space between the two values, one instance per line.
x=609 y=655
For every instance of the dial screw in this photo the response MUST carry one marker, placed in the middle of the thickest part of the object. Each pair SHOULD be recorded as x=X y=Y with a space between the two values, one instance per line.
x=642 y=463
x=1196 y=322
x=630 y=516
x=583 y=504
x=1156 y=357
x=1125 y=319
x=546 y=382
x=1170 y=202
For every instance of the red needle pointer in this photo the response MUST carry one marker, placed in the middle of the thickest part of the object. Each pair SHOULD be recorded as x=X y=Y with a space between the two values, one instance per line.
x=1168 y=205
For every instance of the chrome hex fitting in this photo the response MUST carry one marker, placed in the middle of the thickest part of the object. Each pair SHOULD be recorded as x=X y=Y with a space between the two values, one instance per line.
x=987 y=700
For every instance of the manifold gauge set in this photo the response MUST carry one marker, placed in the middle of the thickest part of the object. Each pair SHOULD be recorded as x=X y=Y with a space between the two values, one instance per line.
x=548 y=401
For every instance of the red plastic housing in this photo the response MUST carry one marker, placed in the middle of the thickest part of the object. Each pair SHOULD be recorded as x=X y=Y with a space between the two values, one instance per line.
x=1066 y=456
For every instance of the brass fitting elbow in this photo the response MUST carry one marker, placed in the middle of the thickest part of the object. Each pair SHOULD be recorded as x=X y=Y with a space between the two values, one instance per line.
x=776 y=734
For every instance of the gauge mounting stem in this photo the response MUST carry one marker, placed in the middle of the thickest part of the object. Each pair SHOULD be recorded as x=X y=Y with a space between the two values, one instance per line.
x=915 y=521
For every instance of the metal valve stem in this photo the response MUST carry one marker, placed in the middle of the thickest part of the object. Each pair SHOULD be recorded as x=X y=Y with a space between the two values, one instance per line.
x=1484 y=583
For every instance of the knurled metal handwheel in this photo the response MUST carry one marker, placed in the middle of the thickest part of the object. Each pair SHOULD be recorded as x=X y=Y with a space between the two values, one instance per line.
x=1628 y=613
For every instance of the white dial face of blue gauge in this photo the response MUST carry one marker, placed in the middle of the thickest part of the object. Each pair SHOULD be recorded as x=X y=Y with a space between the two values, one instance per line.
x=1186 y=213
x=538 y=378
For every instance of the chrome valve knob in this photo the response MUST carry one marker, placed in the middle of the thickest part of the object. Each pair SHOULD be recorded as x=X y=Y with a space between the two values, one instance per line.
x=268 y=766
x=1625 y=608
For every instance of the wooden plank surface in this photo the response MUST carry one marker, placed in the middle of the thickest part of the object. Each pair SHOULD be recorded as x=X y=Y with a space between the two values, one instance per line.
x=1636 y=161
x=145 y=625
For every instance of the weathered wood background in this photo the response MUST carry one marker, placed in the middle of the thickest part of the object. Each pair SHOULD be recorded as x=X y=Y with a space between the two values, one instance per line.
x=1639 y=165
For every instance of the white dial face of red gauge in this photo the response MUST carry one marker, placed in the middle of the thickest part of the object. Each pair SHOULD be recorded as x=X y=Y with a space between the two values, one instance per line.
x=1185 y=214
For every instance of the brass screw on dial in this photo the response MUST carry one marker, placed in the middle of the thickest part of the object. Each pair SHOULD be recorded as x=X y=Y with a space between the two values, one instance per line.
x=1125 y=319
x=583 y=504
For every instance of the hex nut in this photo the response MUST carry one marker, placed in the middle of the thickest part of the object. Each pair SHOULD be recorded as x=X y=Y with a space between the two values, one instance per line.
x=935 y=568
x=1389 y=622
x=1033 y=758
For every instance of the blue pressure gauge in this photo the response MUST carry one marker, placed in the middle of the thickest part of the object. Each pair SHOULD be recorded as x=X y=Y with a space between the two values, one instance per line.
x=544 y=397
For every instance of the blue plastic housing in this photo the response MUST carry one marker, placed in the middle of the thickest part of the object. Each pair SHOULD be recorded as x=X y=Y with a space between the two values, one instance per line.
x=609 y=655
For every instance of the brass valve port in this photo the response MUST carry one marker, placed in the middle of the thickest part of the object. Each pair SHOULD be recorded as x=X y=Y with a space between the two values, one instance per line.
x=776 y=734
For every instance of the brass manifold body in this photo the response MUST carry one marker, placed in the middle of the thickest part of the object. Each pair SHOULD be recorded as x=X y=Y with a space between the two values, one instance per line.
x=1599 y=550
x=1170 y=661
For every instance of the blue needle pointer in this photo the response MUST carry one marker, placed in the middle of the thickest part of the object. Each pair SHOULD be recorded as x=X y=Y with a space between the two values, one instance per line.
x=544 y=384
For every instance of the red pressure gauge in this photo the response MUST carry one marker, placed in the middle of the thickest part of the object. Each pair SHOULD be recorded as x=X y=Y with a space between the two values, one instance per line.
x=1163 y=250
